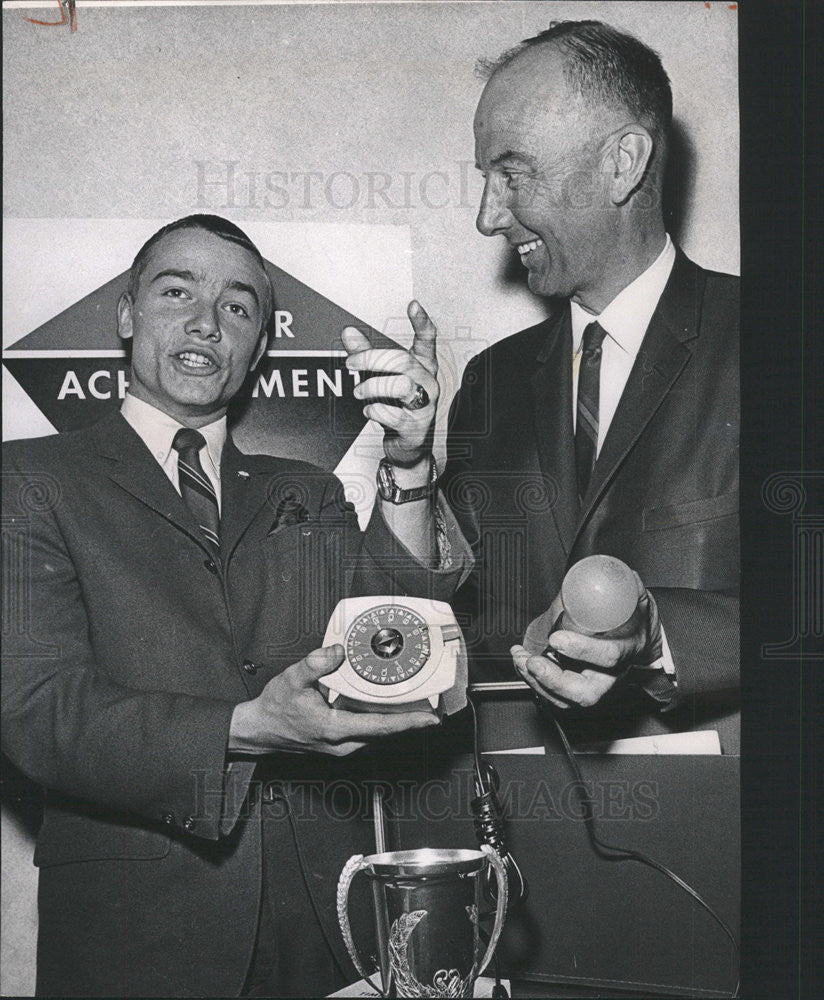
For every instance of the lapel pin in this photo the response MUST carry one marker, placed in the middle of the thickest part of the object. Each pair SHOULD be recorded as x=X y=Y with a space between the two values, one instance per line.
x=243 y=474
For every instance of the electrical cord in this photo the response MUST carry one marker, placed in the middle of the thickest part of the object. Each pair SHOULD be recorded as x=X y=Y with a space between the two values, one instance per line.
x=489 y=828
x=612 y=853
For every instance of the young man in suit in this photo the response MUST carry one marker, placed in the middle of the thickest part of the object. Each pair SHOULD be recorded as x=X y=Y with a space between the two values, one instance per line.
x=163 y=687
x=612 y=427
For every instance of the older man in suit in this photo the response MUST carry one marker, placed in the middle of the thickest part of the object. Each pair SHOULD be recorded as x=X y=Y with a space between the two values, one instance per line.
x=612 y=427
x=164 y=692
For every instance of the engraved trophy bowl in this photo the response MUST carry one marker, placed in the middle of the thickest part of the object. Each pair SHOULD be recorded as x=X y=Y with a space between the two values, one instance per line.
x=426 y=905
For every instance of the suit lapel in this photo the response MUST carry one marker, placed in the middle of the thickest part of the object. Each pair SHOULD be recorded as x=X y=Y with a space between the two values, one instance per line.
x=244 y=490
x=551 y=385
x=662 y=357
x=131 y=465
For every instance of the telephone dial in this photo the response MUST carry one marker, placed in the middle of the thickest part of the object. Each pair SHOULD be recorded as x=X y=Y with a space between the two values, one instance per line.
x=400 y=654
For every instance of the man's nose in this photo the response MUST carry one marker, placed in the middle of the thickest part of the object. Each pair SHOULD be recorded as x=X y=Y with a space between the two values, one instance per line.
x=493 y=215
x=204 y=322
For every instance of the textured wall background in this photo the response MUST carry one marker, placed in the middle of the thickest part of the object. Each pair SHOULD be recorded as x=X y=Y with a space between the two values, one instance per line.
x=344 y=113
x=114 y=120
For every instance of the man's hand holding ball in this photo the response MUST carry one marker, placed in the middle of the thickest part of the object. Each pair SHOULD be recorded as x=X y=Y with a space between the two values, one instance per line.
x=602 y=623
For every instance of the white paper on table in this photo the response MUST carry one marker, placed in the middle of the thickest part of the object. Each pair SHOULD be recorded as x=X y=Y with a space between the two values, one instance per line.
x=703 y=743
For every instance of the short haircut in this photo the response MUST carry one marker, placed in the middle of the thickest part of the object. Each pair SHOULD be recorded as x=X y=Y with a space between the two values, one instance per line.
x=605 y=66
x=217 y=226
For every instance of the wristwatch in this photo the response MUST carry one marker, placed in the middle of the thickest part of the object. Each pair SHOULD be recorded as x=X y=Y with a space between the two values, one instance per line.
x=389 y=490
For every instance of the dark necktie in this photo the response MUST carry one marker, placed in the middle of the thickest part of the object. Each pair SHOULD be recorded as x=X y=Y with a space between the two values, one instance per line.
x=586 y=426
x=195 y=486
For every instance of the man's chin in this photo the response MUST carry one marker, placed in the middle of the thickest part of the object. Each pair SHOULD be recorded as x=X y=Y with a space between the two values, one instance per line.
x=538 y=283
x=199 y=390
x=196 y=401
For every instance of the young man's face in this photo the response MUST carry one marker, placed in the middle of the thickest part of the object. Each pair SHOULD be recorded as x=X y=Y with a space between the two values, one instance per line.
x=196 y=324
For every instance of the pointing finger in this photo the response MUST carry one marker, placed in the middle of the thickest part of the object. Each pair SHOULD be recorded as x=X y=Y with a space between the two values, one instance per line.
x=426 y=333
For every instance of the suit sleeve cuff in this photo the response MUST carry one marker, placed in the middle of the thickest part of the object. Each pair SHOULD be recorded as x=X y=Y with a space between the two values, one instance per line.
x=405 y=574
x=206 y=799
x=237 y=777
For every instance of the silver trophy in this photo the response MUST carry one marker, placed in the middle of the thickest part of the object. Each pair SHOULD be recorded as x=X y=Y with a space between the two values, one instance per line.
x=426 y=911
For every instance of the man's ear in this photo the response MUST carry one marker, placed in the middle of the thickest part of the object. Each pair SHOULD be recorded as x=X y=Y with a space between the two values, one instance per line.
x=628 y=161
x=125 y=327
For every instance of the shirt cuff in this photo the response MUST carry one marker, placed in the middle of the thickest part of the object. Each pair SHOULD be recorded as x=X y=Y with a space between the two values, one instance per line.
x=666 y=662
x=444 y=543
x=454 y=551
x=402 y=571
x=658 y=678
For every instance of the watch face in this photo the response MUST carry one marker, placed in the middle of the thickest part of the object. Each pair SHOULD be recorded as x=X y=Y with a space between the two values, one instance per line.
x=386 y=484
x=387 y=644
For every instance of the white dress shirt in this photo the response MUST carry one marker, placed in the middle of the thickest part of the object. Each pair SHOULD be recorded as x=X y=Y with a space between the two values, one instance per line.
x=157 y=430
x=625 y=321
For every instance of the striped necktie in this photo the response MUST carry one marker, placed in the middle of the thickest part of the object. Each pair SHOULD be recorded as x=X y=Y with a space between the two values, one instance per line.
x=195 y=486
x=586 y=426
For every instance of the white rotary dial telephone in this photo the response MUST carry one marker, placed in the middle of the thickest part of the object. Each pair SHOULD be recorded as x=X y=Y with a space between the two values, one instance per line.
x=401 y=654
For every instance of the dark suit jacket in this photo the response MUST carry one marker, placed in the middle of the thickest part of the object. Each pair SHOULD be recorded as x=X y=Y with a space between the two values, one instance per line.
x=128 y=650
x=663 y=496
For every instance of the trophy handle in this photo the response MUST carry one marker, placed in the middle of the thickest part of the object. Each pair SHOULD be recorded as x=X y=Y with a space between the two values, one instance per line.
x=350 y=870
x=500 y=910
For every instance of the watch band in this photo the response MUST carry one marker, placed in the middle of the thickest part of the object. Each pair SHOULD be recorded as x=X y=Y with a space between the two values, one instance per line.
x=389 y=490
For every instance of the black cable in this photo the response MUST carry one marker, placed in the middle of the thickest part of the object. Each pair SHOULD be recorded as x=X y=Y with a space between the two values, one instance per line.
x=612 y=853
x=488 y=821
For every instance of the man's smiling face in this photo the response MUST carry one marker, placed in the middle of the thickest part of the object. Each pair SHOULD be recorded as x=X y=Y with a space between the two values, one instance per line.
x=537 y=146
x=196 y=322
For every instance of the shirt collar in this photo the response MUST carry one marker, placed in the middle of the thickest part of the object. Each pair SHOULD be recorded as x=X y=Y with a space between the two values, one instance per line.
x=627 y=317
x=157 y=429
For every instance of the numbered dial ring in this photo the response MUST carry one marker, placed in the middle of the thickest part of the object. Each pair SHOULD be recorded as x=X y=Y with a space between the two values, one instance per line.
x=387 y=644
